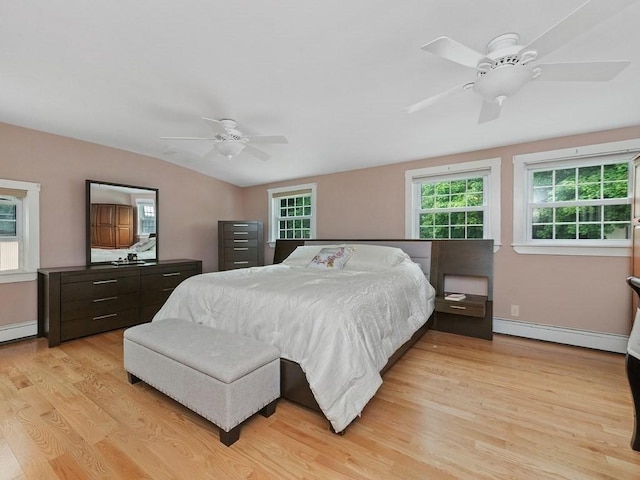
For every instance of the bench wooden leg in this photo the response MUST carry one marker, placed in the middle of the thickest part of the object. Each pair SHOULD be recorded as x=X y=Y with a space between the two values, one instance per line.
x=269 y=409
x=230 y=437
x=132 y=378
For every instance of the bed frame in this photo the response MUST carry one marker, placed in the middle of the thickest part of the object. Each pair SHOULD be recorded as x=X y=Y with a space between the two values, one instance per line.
x=293 y=382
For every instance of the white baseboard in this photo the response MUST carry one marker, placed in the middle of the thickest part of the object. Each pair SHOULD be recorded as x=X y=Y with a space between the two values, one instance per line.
x=569 y=336
x=16 y=331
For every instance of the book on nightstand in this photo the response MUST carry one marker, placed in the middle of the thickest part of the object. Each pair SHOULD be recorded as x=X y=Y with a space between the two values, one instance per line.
x=455 y=297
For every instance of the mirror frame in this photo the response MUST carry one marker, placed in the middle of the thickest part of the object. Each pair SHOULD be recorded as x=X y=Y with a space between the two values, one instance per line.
x=88 y=184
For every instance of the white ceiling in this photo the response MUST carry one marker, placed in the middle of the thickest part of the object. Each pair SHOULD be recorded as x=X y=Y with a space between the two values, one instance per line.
x=333 y=76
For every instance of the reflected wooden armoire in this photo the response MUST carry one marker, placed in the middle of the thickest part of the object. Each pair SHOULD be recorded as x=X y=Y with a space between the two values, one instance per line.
x=111 y=225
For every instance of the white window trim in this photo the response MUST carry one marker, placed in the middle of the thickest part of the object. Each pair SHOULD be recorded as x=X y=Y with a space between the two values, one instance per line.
x=520 y=203
x=31 y=232
x=274 y=191
x=492 y=193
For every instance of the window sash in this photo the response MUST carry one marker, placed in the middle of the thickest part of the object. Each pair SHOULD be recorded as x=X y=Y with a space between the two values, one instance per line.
x=458 y=230
x=523 y=165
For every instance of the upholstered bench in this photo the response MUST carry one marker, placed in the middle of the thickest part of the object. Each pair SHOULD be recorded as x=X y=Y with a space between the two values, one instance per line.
x=223 y=377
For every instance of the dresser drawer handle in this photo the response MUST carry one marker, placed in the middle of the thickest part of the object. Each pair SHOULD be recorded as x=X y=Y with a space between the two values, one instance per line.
x=174 y=274
x=458 y=307
x=241 y=249
x=102 y=317
x=241 y=241
x=168 y=289
x=102 y=282
x=241 y=233
x=105 y=299
x=240 y=263
x=240 y=224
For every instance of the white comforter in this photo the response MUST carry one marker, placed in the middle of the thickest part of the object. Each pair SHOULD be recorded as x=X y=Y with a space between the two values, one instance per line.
x=340 y=326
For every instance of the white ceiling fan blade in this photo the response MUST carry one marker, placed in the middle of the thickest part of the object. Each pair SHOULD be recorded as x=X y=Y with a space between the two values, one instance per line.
x=581 y=71
x=436 y=98
x=266 y=138
x=490 y=111
x=579 y=21
x=454 y=51
x=264 y=156
x=187 y=138
x=216 y=126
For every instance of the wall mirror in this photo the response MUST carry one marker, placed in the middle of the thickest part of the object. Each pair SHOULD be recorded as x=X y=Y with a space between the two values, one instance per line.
x=122 y=223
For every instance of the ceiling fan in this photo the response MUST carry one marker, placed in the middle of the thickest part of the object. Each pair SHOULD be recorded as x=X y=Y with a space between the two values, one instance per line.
x=229 y=141
x=508 y=65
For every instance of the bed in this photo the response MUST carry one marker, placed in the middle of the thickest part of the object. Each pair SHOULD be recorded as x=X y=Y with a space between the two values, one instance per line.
x=338 y=322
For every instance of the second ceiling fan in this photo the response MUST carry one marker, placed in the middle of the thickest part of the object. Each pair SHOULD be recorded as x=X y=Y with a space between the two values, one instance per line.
x=230 y=142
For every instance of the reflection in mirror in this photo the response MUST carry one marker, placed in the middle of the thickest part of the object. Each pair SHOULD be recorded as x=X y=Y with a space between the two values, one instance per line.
x=122 y=223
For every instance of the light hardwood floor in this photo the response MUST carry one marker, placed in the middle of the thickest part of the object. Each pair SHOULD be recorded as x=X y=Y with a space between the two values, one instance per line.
x=452 y=408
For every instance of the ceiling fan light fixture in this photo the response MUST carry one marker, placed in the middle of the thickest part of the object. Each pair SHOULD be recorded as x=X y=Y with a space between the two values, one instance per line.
x=230 y=148
x=502 y=81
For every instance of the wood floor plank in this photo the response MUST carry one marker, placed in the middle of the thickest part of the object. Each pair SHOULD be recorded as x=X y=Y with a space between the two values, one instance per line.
x=453 y=408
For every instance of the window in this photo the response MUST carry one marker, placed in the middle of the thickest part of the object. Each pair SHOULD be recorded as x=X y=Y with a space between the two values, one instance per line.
x=574 y=201
x=454 y=201
x=19 y=231
x=146 y=217
x=292 y=212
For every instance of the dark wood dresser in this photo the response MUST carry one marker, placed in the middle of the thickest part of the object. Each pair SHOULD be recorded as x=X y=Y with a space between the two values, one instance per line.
x=240 y=244
x=78 y=301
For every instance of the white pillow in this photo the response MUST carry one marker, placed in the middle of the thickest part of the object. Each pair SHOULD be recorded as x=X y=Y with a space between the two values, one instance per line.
x=303 y=254
x=375 y=257
x=331 y=258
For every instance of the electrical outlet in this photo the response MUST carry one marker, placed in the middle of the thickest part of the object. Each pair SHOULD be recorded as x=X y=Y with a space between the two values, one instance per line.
x=515 y=310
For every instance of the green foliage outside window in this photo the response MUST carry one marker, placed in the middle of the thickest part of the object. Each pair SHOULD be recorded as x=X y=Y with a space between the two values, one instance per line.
x=452 y=209
x=588 y=213
x=292 y=212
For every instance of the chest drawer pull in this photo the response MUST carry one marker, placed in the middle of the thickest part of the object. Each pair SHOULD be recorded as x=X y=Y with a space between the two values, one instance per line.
x=458 y=307
x=240 y=263
x=102 y=282
x=168 y=289
x=240 y=224
x=241 y=241
x=241 y=233
x=105 y=299
x=174 y=274
x=102 y=317
x=241 y=249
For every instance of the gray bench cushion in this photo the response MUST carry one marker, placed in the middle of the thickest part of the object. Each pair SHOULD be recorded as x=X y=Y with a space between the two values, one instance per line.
x=222 y=355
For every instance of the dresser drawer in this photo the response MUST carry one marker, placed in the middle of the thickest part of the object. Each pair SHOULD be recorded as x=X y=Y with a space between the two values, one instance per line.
x=240 y=235
x=233 y=264
x=105 y=286
x=168 y=279
x=468 y=308
x=230 y=227
x=99 y=307
x=80 y=327
x=240 y=253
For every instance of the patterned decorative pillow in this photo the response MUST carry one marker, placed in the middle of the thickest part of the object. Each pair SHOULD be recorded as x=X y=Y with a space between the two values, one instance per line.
x=331 y=258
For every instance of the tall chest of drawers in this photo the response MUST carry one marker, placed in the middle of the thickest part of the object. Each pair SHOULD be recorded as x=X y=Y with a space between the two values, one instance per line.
x=240 y=244
x=78 y=301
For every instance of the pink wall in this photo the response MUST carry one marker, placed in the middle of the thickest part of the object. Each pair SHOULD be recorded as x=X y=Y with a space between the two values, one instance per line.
x=585 y=293
x=190 y=204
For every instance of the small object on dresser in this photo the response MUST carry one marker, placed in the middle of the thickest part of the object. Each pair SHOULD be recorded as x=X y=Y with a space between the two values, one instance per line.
x=455 y=297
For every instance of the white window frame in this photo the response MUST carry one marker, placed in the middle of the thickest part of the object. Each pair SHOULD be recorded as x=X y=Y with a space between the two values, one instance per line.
x=29 y=230
x=140 y=204
x=488 y=167
x=275 y=194
x=524 y=164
